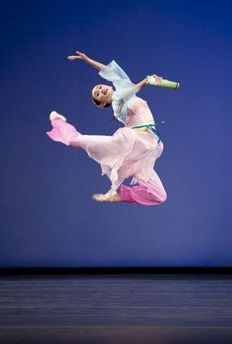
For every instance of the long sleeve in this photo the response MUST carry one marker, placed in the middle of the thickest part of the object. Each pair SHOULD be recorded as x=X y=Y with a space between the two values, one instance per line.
x=114 y=73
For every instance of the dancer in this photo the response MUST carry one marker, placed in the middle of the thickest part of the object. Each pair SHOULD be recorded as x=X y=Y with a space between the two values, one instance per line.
x=132 y=150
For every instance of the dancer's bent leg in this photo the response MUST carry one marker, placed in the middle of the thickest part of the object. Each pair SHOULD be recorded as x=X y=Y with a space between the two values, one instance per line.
x=151 y=192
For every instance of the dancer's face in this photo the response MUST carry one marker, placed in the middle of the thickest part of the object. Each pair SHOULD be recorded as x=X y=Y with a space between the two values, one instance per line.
x=103 y=94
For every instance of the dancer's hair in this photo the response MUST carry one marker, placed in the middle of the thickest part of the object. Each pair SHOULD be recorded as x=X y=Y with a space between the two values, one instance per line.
x=96 y=102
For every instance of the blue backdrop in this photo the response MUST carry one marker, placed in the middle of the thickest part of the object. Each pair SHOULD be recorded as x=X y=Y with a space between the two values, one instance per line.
x=47 y=215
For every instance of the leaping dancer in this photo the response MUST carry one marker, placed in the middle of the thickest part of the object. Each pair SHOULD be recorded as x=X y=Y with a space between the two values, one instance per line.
x=132 y=150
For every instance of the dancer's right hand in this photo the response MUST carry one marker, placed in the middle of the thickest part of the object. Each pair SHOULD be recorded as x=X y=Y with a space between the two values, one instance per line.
x=78 y=56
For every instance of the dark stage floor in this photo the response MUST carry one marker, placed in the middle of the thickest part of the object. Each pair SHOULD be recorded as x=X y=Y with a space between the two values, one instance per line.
x=133 y=308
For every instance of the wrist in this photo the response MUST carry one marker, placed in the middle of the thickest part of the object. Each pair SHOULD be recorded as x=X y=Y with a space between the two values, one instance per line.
x=145 y=83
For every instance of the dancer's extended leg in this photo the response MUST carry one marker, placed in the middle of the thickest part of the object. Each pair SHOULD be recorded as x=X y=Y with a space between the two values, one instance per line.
x=96 y=145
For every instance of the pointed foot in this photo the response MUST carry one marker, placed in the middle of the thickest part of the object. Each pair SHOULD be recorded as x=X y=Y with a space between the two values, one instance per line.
x=55 y=115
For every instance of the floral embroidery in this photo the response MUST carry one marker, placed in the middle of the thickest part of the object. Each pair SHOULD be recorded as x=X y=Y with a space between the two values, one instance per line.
x=138 y=106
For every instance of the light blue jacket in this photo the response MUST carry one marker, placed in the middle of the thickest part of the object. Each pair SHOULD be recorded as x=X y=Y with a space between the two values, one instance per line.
x=124 y=89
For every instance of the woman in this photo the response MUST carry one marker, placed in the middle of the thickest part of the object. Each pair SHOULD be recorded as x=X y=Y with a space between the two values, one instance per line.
x=132 y=150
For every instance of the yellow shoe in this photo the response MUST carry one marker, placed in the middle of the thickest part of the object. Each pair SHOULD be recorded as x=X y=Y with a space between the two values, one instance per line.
x=110 y=196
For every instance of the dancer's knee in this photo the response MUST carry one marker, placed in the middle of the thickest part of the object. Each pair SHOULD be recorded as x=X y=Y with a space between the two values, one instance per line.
x=163 y=197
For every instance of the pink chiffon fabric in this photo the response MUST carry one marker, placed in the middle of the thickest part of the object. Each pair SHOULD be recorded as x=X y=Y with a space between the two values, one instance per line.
x=127 y=153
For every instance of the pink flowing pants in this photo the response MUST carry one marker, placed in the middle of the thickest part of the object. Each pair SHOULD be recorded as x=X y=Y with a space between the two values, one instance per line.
x=105 y=150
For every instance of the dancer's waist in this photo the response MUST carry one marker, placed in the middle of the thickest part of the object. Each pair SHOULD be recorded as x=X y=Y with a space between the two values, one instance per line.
x=148 y=126
x=143 y=126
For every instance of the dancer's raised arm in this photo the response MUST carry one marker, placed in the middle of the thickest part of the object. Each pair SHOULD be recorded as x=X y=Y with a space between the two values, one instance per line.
x=85 y=58
x=127 y=93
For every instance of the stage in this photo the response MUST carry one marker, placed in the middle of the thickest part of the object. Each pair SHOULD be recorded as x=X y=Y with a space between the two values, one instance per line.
x=115 y=308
